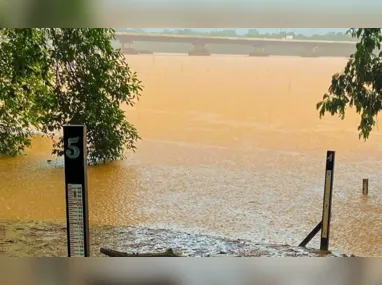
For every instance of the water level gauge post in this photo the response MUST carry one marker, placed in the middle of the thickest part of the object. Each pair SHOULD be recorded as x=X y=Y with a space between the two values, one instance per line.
x=76 y=190
x=327 y=203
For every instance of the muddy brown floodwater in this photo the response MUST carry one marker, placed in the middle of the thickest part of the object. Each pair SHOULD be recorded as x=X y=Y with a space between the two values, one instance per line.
x=231 y=146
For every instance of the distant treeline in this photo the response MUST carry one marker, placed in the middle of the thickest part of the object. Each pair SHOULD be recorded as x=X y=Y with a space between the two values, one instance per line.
x=252 y=33
x=184 y=48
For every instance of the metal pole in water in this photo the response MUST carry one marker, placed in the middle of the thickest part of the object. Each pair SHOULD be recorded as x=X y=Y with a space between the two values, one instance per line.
x=327 y=203
x=365 y=186
x=76 y=189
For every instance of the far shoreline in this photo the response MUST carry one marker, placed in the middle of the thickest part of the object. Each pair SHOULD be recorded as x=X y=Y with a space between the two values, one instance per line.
x=230 y=55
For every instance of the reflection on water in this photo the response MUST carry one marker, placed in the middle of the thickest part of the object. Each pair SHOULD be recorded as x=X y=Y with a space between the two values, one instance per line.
x=231 y=146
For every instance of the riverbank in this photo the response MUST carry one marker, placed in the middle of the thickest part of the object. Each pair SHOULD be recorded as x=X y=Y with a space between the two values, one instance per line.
x=45 y=239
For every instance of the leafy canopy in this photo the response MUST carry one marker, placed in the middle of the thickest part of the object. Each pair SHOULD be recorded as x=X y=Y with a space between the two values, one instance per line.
x=360 y=83
x=53 y=77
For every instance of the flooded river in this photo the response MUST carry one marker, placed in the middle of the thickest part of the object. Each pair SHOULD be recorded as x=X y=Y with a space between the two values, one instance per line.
x=231 y=146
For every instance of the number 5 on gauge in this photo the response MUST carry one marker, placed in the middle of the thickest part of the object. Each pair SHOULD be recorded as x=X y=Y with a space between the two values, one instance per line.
x=73 y=151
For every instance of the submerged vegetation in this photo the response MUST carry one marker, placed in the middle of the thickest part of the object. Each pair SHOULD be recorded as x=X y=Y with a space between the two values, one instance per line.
x=359 y=85
x=53 y=77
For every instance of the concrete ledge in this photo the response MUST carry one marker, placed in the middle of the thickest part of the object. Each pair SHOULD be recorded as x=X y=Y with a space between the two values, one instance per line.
x=310 y=55
x=199 y=53
x=129 y=51
x=145 y=52
x=259 y=54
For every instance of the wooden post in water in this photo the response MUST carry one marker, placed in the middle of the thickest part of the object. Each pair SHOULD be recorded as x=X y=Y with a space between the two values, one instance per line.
x=365 y=186
x=324 y=225
x=327 y=204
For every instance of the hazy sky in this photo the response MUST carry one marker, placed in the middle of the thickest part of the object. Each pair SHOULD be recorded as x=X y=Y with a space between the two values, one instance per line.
x=244 y=13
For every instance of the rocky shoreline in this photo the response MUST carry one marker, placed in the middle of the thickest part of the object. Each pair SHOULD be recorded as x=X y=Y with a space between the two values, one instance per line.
x=46 y=239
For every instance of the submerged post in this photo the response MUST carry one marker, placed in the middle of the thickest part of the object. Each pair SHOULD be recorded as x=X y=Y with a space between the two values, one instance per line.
x=327 y=203
x=365 y=187
x=76 y=190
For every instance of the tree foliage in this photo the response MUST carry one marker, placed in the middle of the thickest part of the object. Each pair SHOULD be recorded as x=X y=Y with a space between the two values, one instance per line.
x=53 y=77
x=360 y=83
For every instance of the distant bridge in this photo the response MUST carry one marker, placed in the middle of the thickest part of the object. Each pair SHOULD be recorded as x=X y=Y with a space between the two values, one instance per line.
x=260 y=45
